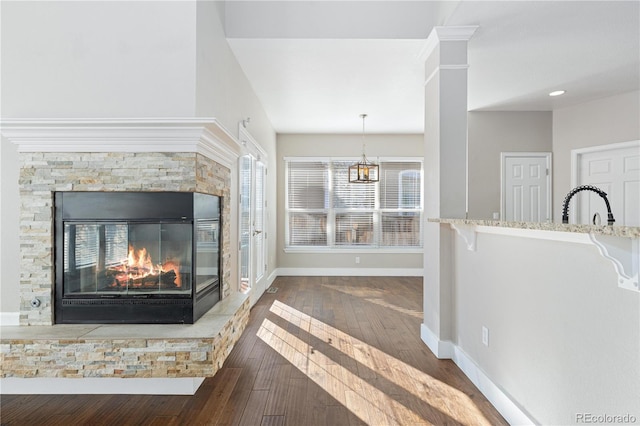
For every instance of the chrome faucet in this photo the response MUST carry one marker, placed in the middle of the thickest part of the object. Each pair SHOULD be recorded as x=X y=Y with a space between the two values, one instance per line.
x=574 y=191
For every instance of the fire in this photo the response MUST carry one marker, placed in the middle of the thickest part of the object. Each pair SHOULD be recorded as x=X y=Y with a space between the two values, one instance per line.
x=138 y=270
x=139 y=264
x=173 y=266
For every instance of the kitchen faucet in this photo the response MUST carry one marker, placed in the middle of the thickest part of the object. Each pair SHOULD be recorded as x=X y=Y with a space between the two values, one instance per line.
x=574 y=191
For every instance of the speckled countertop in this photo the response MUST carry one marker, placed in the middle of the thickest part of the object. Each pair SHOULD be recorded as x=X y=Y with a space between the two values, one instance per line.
x=618 y=231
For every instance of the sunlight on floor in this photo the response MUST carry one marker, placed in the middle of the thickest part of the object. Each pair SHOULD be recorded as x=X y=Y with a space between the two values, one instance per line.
x=374 y=296
x=363 y=399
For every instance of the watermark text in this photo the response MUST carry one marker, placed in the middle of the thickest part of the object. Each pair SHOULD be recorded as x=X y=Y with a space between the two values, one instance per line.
x=590 y=418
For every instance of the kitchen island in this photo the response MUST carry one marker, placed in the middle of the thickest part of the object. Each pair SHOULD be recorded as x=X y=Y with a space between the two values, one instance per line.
x=543 y=317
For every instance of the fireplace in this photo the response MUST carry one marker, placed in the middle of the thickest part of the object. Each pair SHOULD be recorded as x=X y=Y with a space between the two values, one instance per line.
x=136 y=257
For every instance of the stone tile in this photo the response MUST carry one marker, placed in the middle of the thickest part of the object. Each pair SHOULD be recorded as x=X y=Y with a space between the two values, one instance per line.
x=43 y=173
x=78 y=351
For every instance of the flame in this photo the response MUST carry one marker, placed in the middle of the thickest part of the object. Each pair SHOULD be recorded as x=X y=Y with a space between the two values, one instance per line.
x=138 y=265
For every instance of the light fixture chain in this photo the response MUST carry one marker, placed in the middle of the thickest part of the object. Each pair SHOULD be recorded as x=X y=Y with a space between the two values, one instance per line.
x=363 y=171
x=363 y=133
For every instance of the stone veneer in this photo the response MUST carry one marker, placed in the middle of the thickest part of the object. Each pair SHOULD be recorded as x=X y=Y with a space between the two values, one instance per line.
x=43 y=173
x=84 y=356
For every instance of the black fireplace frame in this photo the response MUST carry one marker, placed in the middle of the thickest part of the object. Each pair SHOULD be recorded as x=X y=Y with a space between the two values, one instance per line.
x=150 y=207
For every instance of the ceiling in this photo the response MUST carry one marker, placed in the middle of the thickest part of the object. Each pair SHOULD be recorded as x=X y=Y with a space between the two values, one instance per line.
x=317 y=65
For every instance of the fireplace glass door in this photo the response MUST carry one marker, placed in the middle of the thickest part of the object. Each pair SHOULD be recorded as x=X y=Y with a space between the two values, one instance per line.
x=207 y=258
x=127 y=258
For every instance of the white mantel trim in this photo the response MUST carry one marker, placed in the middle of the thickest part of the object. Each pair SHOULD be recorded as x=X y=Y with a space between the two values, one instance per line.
x=206 y=136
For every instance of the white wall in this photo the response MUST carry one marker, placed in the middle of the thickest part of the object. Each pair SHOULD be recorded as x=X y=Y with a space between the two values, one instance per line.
x=489 y=134
x=604 y=121
x=319 y=145
x=223 y=92
x=98 y=59
x=563 y=337
x=119 y=60
x=9 y=239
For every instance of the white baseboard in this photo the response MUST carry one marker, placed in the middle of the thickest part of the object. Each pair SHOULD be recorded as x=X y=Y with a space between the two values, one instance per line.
x=9 y=318
x=350 y=272
x=271 y=278
x=507 y=407
x=442 y=349
x=101 y=386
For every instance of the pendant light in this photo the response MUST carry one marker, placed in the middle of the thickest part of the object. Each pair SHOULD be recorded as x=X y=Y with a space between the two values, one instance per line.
x=364 y=171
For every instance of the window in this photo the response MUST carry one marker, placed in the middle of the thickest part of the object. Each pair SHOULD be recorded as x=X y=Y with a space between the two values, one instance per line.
x=324 y=210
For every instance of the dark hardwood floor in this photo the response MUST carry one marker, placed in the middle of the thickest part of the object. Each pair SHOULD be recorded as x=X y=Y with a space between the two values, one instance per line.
x=320 y=351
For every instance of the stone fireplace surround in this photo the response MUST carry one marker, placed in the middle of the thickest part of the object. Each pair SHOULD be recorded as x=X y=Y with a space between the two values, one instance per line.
x=190 y=155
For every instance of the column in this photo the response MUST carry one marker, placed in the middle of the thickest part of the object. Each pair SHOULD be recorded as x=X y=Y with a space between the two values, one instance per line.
x=445 y=165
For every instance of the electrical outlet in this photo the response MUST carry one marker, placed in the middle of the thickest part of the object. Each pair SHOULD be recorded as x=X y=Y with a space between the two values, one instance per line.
x=485 y=336
x=357 y=260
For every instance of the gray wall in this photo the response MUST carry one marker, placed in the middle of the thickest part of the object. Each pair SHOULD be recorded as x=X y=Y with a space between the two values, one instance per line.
x=319 y=145
x=489 y=134
x=571 y=343
x=563 y=335
x=601 y=122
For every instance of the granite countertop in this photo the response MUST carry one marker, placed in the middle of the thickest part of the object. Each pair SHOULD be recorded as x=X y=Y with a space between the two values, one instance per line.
x=618 y=231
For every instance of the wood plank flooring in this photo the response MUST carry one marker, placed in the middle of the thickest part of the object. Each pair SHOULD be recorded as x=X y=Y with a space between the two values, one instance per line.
x=336 y=351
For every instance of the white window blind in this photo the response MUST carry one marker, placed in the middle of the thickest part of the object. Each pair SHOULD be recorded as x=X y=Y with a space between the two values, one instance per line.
x=116 y=244
x=354 y=229
x=89 y=238
x=307 y=202
x=401 y=203
x=325 y=210
x=348 y=195
x=86 y=246
x=400 y=185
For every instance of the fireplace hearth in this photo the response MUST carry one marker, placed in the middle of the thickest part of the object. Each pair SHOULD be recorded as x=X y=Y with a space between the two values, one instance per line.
x=136 y=257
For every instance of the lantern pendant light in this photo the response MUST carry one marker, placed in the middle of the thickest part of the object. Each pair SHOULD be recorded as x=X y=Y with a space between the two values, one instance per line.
x=364 y=171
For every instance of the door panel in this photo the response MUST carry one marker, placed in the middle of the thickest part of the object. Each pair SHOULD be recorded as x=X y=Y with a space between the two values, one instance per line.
x=516 y=202
x=617 y=172
x=525 y=187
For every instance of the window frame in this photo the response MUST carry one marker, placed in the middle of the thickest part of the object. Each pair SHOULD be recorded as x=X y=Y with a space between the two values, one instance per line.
x=332 y=212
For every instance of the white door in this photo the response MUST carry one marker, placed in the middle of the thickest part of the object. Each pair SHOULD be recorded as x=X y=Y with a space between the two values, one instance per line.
x=526 y=186
x=252 y=227
x=615 y=169
x=259 y=262
x=246 y=220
